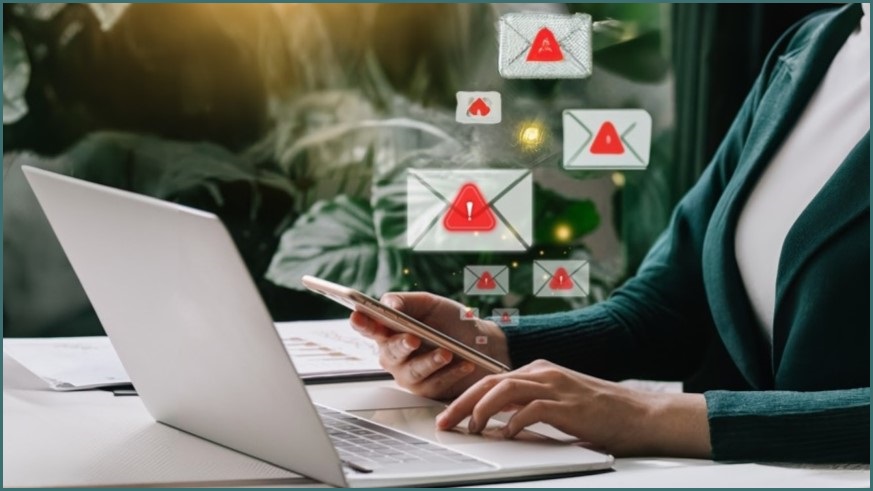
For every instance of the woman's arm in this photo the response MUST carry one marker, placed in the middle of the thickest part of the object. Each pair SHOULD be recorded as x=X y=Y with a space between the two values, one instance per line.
x=827 y=426
x=817 y=427
x=658 y=323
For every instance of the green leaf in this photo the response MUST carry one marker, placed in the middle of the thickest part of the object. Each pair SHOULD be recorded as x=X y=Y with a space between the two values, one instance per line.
x=336 y=240
x=16 y=75
x=161 y=168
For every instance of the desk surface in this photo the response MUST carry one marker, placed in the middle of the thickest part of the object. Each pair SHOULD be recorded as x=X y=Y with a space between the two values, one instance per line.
x=93 y=438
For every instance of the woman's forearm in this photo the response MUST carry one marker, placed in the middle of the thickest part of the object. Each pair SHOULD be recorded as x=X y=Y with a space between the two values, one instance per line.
x=679 y=426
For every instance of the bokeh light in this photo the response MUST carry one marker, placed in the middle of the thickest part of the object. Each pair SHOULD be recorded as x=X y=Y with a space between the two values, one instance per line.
x=563 y=233
x=618 y=179
x=531 y=135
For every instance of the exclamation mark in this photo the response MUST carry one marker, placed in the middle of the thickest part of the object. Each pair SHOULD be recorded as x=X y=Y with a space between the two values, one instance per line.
x=469 y=211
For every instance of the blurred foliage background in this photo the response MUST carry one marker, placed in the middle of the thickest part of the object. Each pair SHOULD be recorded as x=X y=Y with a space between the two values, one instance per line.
x=295 y=123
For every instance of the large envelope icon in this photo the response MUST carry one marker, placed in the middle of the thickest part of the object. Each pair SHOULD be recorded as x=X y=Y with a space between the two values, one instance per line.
x=534 y=45
x=617 y=139
x=486 y=280
x=497 y=203
x=560 y=278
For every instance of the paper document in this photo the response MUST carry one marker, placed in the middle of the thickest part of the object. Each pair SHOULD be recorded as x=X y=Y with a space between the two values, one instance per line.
x=69 y=363
x=319 y=350
x=322 y=349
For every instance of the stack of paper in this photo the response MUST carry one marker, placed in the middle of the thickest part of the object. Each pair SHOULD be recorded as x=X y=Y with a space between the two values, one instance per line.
x=321 y=350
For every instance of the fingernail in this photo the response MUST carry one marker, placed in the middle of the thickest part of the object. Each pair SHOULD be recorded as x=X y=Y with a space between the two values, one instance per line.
x=467 y=367
x=440 y=357
x=407 y=344
x=505 y=431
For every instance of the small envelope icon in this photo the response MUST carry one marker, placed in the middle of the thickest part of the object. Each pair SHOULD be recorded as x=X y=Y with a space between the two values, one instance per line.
x=505 y=317
x=545 y=46
x=597 y=139
x=469 y=210
x=469 y=313
x=486 y=280
x=560 y=278
x=478 y=108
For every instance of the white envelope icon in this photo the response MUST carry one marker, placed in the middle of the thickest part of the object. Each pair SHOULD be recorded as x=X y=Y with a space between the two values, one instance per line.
x=486 y=280
x=469 y=313
x=469 y=210
x=478 y=108
x=617 y=139
x=505 y=317
x=561 y=278
x=534 y=45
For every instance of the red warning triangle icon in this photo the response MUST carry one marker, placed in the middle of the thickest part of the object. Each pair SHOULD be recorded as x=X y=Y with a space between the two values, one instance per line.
x=486 y=282
x=505 y=318
x=607 y=141
x=545 y=47
x=561 y=280
x=478 y=108
x=469 y=212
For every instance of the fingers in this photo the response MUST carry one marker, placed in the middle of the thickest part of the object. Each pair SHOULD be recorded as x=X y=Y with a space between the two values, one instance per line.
x=370 y=328
x=421 y=366
x=537 y=411
x=506 y=392
x=394 y=350
x=439 y=383
x=464 y=405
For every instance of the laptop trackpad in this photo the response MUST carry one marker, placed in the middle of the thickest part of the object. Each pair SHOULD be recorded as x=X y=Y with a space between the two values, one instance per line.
x=420 y=421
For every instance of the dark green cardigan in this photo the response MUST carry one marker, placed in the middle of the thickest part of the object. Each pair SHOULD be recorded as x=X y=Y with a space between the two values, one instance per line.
x=809 y=399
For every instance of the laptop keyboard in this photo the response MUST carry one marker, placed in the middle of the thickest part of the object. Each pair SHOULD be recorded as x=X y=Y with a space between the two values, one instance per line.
x=365 y=446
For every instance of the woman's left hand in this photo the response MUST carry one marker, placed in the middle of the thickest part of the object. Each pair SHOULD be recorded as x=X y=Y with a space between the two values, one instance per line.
x=608 y=415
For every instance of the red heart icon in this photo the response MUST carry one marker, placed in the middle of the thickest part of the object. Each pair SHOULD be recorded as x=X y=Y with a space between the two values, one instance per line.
x=478 y=108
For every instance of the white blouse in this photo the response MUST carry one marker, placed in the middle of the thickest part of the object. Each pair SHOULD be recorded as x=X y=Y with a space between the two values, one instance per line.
x=836 y=118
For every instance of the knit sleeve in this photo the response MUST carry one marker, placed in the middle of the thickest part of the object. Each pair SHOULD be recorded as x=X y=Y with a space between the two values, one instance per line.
x=816 y=427
x=657 y=324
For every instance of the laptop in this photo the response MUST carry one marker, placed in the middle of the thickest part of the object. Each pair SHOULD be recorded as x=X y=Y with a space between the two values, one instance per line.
x=193 y=333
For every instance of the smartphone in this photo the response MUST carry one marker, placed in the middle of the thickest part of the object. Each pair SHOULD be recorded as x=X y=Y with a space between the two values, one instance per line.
x=399 y=321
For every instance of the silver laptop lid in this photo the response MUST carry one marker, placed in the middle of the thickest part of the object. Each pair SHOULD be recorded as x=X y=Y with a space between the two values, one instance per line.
x=183 y=313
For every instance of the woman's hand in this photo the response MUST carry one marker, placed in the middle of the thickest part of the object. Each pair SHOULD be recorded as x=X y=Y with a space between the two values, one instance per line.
x=433 y=373
x=616 y=418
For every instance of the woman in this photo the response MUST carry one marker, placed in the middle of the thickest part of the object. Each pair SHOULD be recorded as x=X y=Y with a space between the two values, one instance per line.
x=770 y=249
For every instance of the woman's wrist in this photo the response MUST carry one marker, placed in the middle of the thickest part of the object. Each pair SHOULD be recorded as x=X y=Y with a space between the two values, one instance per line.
x=678 y=426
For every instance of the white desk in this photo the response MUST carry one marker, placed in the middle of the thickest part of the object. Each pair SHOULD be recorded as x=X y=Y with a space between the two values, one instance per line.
x=96 y=439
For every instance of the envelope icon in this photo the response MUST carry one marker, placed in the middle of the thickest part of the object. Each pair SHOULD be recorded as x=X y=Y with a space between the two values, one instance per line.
x=505 y=317
x=469 y=210
x=560 y=278
x=486 y=280
x=534 y=45
x=469 y=313
x=478 y=108
x=596 y=139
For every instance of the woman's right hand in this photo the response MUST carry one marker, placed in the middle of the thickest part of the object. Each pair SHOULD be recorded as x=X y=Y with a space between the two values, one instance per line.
x=434 y=373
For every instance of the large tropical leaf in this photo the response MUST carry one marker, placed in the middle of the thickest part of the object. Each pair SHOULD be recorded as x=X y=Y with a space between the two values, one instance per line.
x=335 y=240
